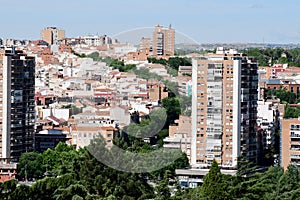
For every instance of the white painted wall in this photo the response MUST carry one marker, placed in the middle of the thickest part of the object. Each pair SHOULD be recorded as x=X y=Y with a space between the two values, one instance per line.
x=236 y=112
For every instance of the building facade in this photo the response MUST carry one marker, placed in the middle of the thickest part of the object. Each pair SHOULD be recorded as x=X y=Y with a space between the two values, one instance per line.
x=17 y=110
x=145 y=46
x=52 y=35
x=180 y=135
x=163 y=41
x=224 y=109
x=96 y=40
x=290 y=142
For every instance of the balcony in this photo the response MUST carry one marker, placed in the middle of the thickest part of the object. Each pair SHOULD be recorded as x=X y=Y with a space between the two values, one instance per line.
x=295 y=142
x=16 y=125
x=295 y=156
x=295 y=135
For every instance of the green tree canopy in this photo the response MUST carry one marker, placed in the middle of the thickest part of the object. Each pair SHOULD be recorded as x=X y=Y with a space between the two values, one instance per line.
x=214 y=186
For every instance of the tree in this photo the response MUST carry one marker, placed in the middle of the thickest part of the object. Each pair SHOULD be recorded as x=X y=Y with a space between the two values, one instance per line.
x=74 y=110
x=289 y=181
x=77 y=54
x=285 y=96
x=163 y=190
x=59 y=160
x=75 y=191
x=145 y=74
x=117 y=64
x=21 y=192
x=244 y=166
x=214 y=186
x=172 y=105
x=94 y=56
x=7 y=188
x=31 y=166
x=291 y=112
x=175 y=62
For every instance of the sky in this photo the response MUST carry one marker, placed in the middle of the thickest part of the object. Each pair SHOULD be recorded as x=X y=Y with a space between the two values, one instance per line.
x=203 y=21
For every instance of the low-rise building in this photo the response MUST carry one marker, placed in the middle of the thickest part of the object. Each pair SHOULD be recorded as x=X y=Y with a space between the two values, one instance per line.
x=48 y=139
x=267 y=120
x=184 y=85
x=191 y=178
x=157 y=90
x=184 y=70
x=95 y=40
x=180 y=135
x=7 y=171
x=82 y=135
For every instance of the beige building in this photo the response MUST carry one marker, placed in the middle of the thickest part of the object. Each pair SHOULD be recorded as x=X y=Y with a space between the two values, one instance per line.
x=82 y=135
x=180 y=135
x=163 y=41
x=264 y=72
x=184 y=85
x=145 y=46
x=224 y=101
x=157 y=91
x=52 y=35
x=290 y=142
x=184 y=70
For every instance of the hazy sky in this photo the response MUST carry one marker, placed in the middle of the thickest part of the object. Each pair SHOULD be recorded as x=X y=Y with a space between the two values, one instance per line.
x=269 y=21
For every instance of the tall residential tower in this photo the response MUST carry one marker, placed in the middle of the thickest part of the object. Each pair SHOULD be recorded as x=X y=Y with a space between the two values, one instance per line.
x=163 y=42
x=224 y=109
x=17 y=112
x=52 y=35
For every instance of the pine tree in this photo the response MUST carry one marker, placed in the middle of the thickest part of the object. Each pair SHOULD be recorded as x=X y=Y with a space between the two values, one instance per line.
x=213 y=186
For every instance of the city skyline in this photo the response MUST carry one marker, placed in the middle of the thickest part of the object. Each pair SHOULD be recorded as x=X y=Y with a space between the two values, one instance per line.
x=203 y=21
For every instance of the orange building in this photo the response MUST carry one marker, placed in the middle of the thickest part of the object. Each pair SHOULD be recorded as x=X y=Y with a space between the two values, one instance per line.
x=64 y=48
x=290 y=142
x=224 y=109
x=157 y=91
x=135 y=56
x=47 y=56
x=7 y=171
x=264 y=72
x=145 y=46
x=52 y=35
x=285 y=84
x=163 y=41
x=180 y=135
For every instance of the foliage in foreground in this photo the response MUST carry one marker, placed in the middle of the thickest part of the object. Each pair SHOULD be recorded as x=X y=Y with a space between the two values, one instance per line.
x=272 y=184
x=77 y=174
x=84 y=177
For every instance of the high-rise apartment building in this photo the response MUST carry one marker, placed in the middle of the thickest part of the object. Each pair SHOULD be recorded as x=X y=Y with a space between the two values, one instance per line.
x=17 y=112
x=163 y=42
x=224 y=109
x=290 y=142
x=52 y=35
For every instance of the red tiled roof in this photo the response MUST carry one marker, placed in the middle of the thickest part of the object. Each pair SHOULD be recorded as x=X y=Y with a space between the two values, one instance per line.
x=53 y=118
